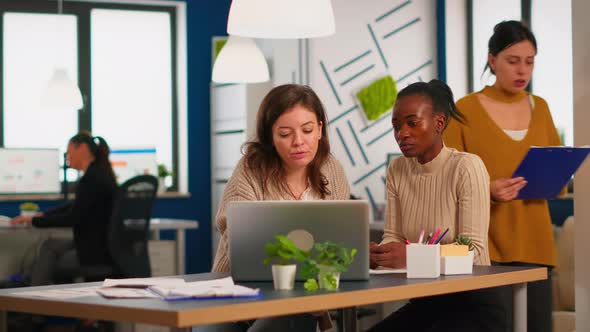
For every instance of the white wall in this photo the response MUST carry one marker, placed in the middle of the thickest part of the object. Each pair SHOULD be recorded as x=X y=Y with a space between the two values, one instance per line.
x=373 y=38
x=581 y=76
x=456 y=48
x=552 y=78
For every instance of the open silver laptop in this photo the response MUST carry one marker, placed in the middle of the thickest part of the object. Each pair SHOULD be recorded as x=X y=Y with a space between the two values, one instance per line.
x=251 y=225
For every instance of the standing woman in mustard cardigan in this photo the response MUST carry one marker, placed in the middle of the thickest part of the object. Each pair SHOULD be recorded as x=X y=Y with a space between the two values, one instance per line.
x=502 y=122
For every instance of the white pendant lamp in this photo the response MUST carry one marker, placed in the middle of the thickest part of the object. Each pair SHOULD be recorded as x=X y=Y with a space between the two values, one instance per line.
x=240 y=61
x=281 y=18
x=61 y=93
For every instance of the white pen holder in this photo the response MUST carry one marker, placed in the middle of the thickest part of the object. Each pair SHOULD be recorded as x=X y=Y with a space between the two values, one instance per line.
x=423 y=260
x=457 y=264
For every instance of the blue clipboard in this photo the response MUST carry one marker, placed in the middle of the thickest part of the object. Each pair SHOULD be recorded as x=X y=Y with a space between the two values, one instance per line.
x=548 y=169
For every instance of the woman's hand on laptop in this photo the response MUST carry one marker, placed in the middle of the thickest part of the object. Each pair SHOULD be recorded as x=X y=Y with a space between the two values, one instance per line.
x=392 y=255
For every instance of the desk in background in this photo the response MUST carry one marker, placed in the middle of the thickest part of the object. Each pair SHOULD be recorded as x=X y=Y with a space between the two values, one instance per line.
x=180 y=225
x=36 y=235
x=184 y=314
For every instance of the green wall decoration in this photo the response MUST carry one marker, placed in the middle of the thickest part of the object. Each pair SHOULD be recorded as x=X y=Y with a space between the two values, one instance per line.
x=378 y=97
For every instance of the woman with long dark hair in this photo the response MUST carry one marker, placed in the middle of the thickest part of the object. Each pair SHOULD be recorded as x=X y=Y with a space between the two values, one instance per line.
x=88 y=214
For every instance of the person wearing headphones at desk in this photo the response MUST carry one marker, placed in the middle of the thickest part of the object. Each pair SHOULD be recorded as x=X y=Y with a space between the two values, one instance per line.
x=88 y=214
x=434 y=187
x=289 y=159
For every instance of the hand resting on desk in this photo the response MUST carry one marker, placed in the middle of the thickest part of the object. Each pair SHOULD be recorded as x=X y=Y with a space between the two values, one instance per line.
x=24 y=220
x=6 y=222
x=392 y=255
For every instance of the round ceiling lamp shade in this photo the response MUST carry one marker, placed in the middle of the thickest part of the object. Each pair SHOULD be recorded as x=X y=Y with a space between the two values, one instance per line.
x=61 y=93
x=240 y=61
x=281 y=18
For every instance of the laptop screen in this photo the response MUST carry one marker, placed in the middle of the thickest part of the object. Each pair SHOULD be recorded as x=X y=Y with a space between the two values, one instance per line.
x=253 y=224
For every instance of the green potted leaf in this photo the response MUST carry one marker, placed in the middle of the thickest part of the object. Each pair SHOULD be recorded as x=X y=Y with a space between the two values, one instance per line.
x=465 y=240
x=327 y=262
x=163 y=173
x=29 y=209
x=283 y=253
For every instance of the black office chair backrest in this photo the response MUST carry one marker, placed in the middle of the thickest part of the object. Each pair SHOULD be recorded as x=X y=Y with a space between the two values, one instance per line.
x=129 y=226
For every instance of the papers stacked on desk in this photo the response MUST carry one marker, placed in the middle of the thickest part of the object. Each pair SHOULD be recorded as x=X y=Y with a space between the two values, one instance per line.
x=144 y=282
x=175 y=289
x=208 y=289
x=169 y=289
x=136 y=288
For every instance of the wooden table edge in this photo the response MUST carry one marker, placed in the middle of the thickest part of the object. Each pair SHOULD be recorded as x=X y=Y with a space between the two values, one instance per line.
x=278 y=307
x=337 y=300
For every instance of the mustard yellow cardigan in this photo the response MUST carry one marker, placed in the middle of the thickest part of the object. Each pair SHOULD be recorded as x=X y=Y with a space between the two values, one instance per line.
x=520 y=230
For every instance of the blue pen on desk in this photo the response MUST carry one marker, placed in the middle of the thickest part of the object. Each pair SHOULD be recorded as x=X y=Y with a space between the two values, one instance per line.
x=441 y=236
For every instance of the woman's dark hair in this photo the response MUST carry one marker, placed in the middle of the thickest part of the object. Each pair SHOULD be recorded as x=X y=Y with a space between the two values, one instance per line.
x=441 y=96
x=506 y=34
x=260 y=154
x=99 y=149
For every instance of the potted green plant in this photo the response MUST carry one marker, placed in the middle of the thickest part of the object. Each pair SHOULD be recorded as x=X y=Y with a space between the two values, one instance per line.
x=163 y=173
x=327 y=261
x=460 y=259
x=29 y=209
x=464 y=240
x=283 y=253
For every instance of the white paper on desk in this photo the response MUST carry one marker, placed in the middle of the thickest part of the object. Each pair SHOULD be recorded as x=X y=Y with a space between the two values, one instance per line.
x=126 y=293
x=232 y=291
x=386 y=270
x=144 y=282
x=207 y=288
x=64 y=293
x=165 y=290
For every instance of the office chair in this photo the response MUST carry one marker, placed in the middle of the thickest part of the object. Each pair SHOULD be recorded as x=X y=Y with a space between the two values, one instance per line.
x=128 y=232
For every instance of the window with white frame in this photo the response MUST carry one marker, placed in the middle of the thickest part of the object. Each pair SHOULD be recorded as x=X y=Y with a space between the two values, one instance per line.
x=122 y=56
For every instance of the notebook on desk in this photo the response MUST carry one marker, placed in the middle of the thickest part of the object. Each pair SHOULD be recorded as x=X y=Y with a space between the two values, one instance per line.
x=548 y=169
x=250 y=225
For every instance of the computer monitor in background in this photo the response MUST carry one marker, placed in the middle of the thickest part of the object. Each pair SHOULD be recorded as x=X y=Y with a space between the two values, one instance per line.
x=130 y=162
x=29 y=171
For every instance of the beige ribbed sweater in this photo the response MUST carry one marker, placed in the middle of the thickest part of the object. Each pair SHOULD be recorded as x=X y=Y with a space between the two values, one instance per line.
x=243 y=186
x=450 y=191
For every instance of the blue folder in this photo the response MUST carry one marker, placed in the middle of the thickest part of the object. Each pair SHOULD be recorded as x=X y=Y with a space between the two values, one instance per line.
x=548 y=169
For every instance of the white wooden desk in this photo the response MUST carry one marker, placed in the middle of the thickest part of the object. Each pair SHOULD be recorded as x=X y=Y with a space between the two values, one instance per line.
x=156 y=225
x=184 y=314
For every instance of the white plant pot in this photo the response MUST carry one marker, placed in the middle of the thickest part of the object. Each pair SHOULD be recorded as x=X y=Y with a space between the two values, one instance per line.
x=161 y=185
x=324 y=270
x=283 y=276
x=28 y=213
x=450 y=265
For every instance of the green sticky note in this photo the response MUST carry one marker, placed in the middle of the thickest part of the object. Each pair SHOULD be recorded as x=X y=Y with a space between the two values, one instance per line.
x=378 y=98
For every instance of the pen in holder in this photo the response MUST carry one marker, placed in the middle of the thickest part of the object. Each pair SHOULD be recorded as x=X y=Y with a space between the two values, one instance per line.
x=423 y=260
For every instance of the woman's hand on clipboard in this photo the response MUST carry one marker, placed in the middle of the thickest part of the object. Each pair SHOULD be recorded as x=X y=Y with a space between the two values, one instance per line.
x=504 y=190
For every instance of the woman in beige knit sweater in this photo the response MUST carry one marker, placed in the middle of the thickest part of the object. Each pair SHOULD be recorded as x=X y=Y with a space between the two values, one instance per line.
x=288 y=160
x=434 y=187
